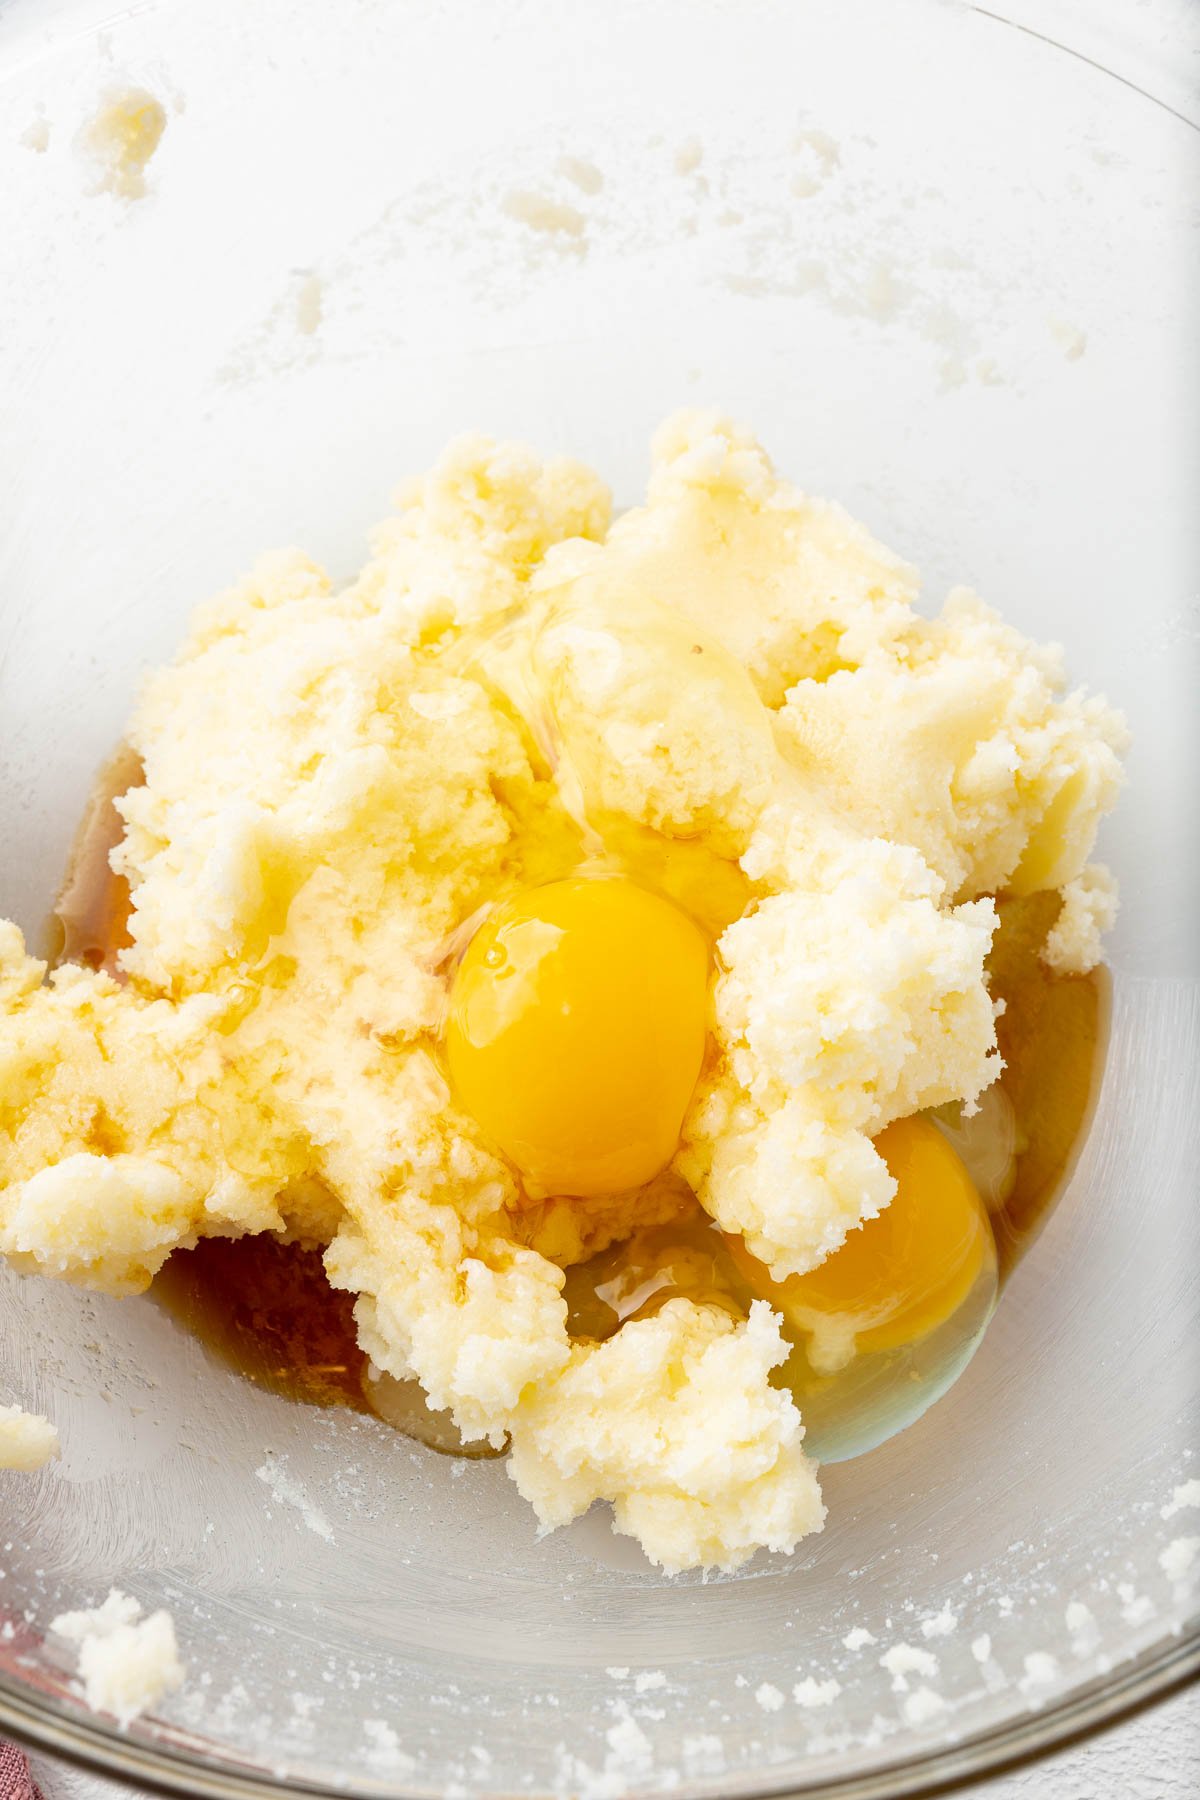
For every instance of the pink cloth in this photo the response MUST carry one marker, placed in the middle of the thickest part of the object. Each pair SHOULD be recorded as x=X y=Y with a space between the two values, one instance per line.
x=16 y=1783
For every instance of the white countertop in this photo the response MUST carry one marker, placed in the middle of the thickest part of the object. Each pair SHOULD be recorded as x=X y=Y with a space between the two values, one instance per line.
x=1153 y=1756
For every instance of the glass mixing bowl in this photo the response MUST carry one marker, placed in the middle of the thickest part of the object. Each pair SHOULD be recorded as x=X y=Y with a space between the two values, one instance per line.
x=941 y=257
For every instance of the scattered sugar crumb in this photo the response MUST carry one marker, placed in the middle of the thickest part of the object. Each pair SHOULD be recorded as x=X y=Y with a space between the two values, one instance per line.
x=858 y=1638
x=383 y=1747
x=36 y=135
x=981 y=1648
x=618 y=1673
x=648 y=1680
x=27 y=1440
x=769 y=1698
x=903 y=1660
x=1041 y=1671
x=881 y=293
x=126 y=1663
x=1136 y=1608
x=922 y=1706
x=1069 y=338
x=289 y=1492
x=689 y=156
x=628 y=1742
x=1005 y=1605
x=1186 y=1495
x=1081 y=1624
x=821 y=147
x=940 y=1624
x=543 y=214
x=121 y=139
x=810 y=1693
x=1177 y=1559
x=309 y=303
x=585 y=175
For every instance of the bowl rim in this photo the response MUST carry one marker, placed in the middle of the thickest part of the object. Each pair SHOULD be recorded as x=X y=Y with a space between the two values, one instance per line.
x=1081 y=1713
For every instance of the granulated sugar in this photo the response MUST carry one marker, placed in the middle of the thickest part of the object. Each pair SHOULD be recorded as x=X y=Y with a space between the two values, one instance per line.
x=1187 y=1494
x=1041 y=1672
x=1179 y=1557
x=290 y=1492
x=903 y=1660
x=649 y=1680
x=922 y=1706
x=811 y=1693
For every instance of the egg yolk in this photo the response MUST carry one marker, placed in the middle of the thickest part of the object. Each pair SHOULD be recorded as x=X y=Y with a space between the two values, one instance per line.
x=576 y=1031
x=902 y=1274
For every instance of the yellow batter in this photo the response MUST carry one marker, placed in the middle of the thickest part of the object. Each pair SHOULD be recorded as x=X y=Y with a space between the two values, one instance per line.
x=726 y=692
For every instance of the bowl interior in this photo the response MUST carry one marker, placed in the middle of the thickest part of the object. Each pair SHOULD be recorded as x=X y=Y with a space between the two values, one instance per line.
x=945 y=265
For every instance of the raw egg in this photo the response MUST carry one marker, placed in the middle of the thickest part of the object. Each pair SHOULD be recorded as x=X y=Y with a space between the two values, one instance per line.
x=888 y=1322
x=879 y=1331
x=576 y=1032
x=900 y=1275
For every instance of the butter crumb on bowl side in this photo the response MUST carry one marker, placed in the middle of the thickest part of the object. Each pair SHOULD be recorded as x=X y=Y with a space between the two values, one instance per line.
x=27 y=1440
x=127 y=1663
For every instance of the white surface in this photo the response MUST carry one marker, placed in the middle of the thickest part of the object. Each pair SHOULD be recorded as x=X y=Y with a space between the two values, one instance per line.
x=1154 y=1756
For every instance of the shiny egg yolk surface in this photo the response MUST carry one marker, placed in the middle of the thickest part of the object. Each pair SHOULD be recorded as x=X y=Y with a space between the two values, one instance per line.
x=902 y=1274
x=576 y=1031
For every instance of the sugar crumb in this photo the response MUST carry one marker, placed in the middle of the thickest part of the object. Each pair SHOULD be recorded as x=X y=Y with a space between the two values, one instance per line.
x=820 y=147
x=383 y=1747
x=585 y=175
x=1136 y=1609
x=922 y=1706
x=1041 y=1671
x=127 y=1663
x=1068 y=337
x=628 y=1742
x=1187 y=1494
x=36 y=135
x=289 y=1492
x=1177 y=1560
x=28 y=1441
x=903 y=1660
x=540 y=213
x=310 y=297
x=120 y=140
x=1081 y=1623
x=811 y=1693
x=689 y=156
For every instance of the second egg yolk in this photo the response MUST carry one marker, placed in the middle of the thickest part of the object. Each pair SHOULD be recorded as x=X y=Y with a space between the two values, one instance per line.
x=900 y=1275
x=576 y=1031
